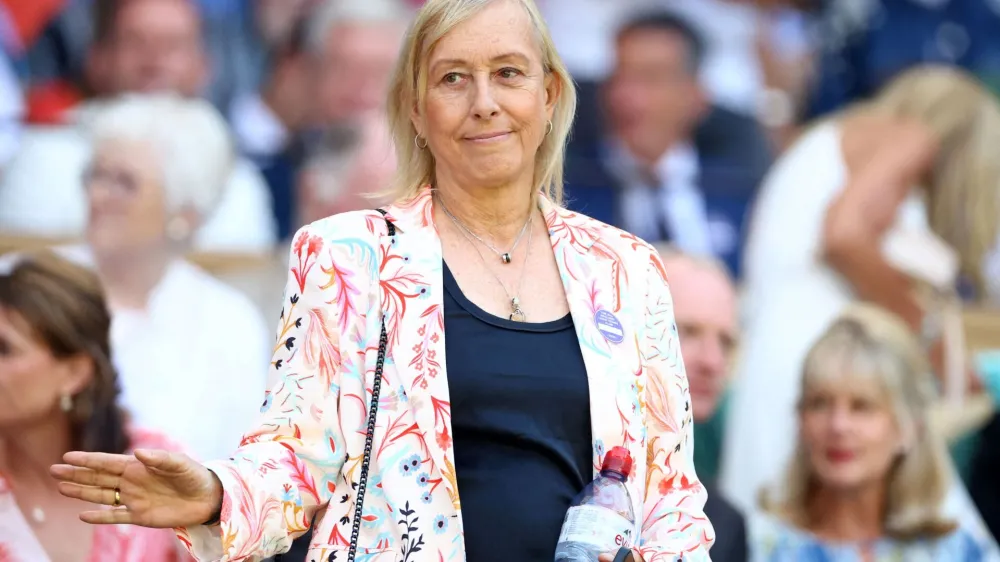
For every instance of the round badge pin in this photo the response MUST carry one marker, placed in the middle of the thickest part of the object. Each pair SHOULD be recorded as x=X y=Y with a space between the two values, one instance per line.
x=609 y=326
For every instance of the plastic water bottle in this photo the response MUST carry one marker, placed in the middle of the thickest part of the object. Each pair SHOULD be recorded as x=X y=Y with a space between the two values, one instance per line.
x=601 y=519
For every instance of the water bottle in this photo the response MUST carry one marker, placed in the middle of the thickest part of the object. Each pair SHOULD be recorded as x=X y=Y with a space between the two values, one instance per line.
x=601 y=519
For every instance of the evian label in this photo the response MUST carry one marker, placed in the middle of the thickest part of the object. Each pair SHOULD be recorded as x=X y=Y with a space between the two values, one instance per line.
x=596 y=526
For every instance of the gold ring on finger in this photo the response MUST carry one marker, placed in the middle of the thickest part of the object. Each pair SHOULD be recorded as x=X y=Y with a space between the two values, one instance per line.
x=118 y=497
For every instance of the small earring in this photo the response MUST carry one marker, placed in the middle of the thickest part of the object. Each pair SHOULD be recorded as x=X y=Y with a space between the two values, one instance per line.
x=178 y=229
x=66 y=403
x=549 y=130
x=416 y=142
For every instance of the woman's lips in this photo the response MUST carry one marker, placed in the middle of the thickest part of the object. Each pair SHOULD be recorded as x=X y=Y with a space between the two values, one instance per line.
x=839 y=455
x=488 y=137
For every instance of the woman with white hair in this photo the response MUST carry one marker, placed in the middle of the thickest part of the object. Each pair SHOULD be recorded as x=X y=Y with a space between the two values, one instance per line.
x=159 y=166
x=452 y=373
x=869 y=475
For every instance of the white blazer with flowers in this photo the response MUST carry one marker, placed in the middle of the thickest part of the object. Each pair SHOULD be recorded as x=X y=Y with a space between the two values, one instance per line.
x=304 y=458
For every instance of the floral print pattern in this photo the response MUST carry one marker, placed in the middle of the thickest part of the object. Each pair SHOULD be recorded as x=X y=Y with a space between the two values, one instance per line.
x=304 y=458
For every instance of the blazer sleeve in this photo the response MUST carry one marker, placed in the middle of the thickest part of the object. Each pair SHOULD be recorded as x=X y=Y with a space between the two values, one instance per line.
x=284 y=469
x=674 y=523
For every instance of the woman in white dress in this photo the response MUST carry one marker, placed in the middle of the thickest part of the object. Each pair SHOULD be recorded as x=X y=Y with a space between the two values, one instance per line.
x=827 y=216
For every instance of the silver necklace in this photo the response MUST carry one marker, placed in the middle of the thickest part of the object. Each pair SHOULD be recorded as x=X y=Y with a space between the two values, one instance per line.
x=504 y=256
x=516 y=313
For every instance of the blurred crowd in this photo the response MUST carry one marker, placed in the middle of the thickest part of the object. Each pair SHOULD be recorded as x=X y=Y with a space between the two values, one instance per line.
x=789 y=157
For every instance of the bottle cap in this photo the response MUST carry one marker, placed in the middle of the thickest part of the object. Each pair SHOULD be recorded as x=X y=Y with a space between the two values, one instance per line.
x=618 y=460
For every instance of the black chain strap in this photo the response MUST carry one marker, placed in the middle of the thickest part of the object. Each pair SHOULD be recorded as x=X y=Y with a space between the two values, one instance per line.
x=366 y=459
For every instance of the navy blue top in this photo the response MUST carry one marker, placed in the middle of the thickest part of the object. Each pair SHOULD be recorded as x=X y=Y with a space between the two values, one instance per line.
x=520 y=406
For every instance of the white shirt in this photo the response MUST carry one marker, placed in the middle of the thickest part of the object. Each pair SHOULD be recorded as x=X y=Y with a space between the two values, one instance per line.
x=193 y=364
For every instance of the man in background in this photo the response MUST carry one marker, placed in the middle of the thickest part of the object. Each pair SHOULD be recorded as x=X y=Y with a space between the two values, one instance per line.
x=670 y=167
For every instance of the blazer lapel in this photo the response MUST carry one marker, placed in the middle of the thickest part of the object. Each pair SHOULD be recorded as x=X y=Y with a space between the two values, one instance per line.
x=594 y=278
x=411 y=287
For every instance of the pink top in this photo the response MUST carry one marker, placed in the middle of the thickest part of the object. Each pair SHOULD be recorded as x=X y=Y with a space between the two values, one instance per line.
x=112 y=543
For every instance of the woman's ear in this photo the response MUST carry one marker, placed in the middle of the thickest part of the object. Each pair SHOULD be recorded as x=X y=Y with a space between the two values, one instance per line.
x=182 y=225
x=553 y=89
x=416 y=118
x=78 y=374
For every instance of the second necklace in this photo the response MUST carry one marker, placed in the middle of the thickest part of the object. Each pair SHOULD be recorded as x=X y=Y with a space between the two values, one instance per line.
x=516 y=313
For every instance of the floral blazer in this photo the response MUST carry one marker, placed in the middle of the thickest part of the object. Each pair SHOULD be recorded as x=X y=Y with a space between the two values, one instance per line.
x=304 y=459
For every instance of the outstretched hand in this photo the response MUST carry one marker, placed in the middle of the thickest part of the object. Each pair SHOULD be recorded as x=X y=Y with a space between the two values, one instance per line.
x=151 y=488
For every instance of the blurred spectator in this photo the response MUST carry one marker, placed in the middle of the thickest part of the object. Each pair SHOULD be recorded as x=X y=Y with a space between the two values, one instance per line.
x=705 y=311
x=265 y=120
x=887 y=198
x=156 y=172
x=60 y=393
x=656 y=175
x=867 y=42
x=869 y=477
x=143 y=46
x=754 y=50
x=352 y=47
x=347 y=172
x=737 y=33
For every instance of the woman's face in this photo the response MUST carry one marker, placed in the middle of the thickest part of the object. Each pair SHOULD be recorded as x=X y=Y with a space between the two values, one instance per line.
x=127 y=205
x=488 y=99
x=849 y=433
x=32 y=380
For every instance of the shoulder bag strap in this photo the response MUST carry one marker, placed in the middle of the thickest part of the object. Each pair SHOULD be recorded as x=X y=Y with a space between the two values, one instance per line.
x=366 y=459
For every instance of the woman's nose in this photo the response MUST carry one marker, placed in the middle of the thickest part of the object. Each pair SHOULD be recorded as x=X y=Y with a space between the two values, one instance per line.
x=840 y=420
x=485 y=104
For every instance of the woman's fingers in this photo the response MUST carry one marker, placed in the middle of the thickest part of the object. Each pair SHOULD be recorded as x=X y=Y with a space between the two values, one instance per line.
x=163 y=461
x=101 y=462
x=104 y=496
x=84 y=476
x=117 y=516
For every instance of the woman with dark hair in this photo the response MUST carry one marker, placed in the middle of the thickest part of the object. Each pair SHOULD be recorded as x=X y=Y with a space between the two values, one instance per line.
x=58 y=393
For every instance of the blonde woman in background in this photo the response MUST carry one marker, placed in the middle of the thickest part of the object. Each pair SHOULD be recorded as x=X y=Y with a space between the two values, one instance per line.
x=905 y=186
x=869 y=476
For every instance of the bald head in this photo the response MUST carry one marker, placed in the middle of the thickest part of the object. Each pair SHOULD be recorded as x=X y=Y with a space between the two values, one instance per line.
x=705 y=310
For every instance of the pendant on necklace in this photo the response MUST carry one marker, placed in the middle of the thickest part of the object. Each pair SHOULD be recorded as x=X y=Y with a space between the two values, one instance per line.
x=516 y=314
x=38 y=515
x=505 y=257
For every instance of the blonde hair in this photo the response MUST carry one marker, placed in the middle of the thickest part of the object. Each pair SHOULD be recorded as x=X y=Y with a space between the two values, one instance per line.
x=963 y=189
x=871 y=343
x=409 y=85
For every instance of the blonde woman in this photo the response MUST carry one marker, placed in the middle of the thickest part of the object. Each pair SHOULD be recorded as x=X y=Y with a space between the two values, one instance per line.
x=517 y=343
x=868 y=477
x=911 y=174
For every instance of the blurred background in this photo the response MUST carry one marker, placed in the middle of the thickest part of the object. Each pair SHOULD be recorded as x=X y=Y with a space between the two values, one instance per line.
x=715 y=106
